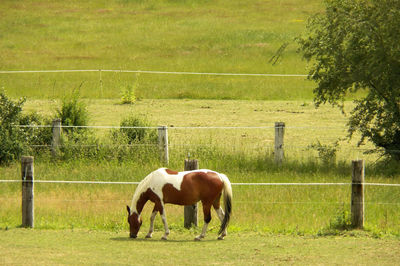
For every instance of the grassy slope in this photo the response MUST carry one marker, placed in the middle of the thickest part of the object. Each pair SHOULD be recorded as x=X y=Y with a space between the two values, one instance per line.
x=91 y=247
x=199 y=36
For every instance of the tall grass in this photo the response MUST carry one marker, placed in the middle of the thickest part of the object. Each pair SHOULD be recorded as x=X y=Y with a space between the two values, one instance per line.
x=275 y=209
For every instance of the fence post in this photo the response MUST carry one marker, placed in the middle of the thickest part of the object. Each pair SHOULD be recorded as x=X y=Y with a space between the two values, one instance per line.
x=190 y=212
x=27 y=191
x=163 y=143
x=101 y=84
x=279 y=133
x=55 y=142
x=357 y=194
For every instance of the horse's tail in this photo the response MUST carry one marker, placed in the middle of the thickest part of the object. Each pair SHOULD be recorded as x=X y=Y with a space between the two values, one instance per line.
x=227 y=202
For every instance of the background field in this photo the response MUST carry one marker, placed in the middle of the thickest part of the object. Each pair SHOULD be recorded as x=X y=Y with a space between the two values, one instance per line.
x=194 y=36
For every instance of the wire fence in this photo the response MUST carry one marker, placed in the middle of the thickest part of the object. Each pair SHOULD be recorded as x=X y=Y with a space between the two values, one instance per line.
x=233 y=184
x=301 y=141
x=151 y=72
x=110 y=83
x=271 y=207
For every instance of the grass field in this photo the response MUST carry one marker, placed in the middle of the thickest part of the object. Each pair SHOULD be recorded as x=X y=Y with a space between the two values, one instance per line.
x=42 y=247
x=244 y=154
x=195 y=36
x=270 y=225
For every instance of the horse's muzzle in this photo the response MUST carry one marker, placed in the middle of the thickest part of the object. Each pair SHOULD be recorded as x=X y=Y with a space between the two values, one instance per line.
x=132 y=235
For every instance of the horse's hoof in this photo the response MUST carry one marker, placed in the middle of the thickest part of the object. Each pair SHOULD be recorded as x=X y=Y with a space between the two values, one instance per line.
x=164 y=238
x=220 y=238
x=148 y=236
x=197 y=239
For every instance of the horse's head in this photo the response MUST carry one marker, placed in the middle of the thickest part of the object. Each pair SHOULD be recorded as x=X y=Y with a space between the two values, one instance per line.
x=134 y=223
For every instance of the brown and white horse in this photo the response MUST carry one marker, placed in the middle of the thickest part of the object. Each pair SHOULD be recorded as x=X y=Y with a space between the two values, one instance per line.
x=181 y=188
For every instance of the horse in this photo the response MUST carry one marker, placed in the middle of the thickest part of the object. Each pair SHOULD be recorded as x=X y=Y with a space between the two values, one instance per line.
x=181 y=188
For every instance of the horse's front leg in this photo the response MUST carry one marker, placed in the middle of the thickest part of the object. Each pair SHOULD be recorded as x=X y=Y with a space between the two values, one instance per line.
x=164 y=220
x=152 y=217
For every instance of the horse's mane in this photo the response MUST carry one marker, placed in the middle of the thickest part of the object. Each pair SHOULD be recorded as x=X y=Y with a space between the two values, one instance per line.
x=142 y=187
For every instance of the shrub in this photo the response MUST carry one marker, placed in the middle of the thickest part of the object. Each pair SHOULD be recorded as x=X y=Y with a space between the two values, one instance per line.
x=38 y=138
x=326 y=153
x=79 y=145
x=12 y=142
x=135 y=130
x=73 y=112
x=134 y=141
x=129 y=92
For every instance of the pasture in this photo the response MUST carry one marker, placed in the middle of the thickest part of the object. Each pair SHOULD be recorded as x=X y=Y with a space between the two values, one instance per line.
x=244 y=154
x=224 y=121
x=191 y=36
x=45 y=247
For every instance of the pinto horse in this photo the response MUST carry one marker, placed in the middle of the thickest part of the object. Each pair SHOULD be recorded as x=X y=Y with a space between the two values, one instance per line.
x=181 y=188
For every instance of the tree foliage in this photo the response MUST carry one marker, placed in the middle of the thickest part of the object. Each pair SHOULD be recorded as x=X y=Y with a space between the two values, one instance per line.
x=355 y=45
x=14 y=139
x=11 y=137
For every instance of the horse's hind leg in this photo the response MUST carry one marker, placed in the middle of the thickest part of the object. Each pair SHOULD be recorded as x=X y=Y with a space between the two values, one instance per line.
x=207 y=219
x=221 y=214
x=152 y=217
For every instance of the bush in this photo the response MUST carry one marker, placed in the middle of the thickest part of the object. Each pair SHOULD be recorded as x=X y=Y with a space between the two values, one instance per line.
x=79 y=145
x=73 y=112
x=326 y=153
x=129 y=92
x=135 y=130
x=12 y=142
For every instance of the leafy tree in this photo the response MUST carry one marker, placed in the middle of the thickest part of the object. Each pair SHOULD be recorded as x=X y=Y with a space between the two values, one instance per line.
x=355 y=45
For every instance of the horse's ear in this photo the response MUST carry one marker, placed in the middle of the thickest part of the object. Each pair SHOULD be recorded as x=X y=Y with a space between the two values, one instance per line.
x=128 y=209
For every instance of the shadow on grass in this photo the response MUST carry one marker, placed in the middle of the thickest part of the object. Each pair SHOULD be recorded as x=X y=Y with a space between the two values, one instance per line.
x=159 y=240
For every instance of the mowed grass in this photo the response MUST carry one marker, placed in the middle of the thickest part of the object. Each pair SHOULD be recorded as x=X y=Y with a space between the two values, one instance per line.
x=193 y=36
x=45 y=247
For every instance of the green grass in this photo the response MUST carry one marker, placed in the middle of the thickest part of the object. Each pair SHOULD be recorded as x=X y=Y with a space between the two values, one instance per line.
x=244 y=154
x=194 y=36
x=308 y=210
x=304 y=123
x=45 y=247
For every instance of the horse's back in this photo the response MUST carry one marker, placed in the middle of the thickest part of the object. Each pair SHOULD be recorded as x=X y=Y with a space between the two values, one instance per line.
x=194 y=186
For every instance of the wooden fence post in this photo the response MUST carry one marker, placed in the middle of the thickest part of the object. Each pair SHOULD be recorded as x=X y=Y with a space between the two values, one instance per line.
x=163 y=143
x=357 y=194
x=27 y=191
x=279 y=133
x=55 y=142
x=190 y=212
